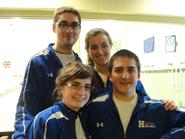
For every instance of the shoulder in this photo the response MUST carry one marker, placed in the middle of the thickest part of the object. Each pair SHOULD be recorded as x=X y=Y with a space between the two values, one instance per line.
x=154 y=104
x=42 y=57
x=99 y=102
x=101 y=98
x=53 y=112
x=153 y=101
x=41 y=54
x=44 y=52
x=49 y=119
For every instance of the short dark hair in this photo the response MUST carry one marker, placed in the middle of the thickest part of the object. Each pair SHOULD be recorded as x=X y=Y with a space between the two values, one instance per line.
x=124 y=53
x=65 y=9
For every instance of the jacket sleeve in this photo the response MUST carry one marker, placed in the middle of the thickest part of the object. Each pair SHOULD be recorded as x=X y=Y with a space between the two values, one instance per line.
x=29 y=103
x=176 y=124
x=35 y=129
x=175 y=133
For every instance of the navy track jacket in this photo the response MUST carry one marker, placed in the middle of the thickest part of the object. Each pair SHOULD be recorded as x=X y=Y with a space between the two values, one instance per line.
x=149 y=119
x=175 y=133
x=37 y=87
x=56 y=122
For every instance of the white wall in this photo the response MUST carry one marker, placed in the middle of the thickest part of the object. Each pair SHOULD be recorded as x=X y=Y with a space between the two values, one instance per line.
x=20 y=39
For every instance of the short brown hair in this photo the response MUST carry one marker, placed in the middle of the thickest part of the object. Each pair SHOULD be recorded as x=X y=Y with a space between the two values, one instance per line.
x=124 y=53
x=70 y=72
x=65 y=9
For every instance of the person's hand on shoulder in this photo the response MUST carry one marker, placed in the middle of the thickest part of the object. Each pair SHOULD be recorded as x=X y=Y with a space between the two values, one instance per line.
x=170 y=105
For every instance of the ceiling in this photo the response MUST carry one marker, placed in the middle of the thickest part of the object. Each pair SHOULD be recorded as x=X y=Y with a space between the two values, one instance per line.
x=147 y=10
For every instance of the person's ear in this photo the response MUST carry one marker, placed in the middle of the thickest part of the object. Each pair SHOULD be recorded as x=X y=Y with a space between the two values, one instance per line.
x=61 y=90
x=54 y=27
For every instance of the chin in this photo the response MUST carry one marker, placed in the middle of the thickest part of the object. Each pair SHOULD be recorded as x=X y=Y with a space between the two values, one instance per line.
x=79 y=106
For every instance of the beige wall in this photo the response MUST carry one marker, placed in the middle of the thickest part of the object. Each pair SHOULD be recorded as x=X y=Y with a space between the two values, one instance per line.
x=168 y=11
x=138 y=7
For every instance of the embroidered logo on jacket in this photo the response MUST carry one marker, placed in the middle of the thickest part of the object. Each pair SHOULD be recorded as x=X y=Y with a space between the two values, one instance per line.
x=50 y=75
x=99 y=124
x=145 y=124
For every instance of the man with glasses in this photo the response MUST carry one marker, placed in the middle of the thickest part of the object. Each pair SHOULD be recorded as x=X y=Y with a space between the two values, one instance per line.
x=42 y=69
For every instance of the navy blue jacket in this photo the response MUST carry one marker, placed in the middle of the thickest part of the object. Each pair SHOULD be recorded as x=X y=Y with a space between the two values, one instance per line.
x=175 y=133
x=56 y=122
x=149 y=120
x=37 y=87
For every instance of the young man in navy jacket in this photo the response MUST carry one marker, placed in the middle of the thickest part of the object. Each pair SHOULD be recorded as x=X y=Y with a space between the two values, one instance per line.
x=124 y=113
x=42 y=69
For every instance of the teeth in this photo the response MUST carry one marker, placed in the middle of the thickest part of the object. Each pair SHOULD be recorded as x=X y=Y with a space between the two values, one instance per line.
x=80 y=98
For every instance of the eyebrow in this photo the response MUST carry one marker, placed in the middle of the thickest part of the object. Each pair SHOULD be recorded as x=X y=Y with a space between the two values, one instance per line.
x=125 y=67
x=79 y=82
x=64 y=21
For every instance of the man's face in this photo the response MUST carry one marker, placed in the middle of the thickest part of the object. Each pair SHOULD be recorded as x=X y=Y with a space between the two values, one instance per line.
x=67 y=29
x=124 y=76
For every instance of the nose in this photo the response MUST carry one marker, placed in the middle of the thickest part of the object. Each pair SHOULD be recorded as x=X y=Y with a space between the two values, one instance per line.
x=82 y=90
x=100 y=50
x=125 y=74
x=69 y=29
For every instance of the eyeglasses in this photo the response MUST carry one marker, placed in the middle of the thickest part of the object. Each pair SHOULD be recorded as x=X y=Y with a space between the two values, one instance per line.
x=64 y=25
x=78 y=86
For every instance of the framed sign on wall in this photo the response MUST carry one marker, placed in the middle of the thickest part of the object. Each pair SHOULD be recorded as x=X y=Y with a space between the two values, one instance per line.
x=170 y=43
x=149 y=45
